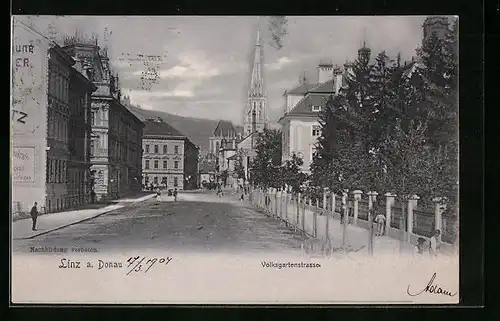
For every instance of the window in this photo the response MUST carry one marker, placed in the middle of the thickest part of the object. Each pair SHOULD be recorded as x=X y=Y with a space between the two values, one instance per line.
x=147 y=148
x=156 y=164
x=164 y=149
x=176 y=183
x=176 y=164
x=146 y=165
x=165 y=164
x=313 y=151
x=156 y=149
x=176 y=149
x=316 y=130
x=316 y=108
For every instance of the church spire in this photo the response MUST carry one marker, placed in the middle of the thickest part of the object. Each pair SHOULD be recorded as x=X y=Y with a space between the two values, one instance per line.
x=257 y=82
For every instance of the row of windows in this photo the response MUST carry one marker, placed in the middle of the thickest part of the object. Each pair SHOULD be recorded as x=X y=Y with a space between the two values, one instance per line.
x=56 y=171
x=165 y=164
x=58 y=84
x=164 y=180
x=156 y=149
x=57 y=125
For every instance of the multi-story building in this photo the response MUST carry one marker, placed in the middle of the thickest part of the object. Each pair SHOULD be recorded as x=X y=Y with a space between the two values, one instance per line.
x=223 y=131
x=300 y=124
x=50 y=108
x=116 y=151
x=170 y=159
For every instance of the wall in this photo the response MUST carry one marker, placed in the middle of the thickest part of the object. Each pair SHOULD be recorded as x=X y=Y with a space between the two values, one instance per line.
x=301 y=139
x=29 y=116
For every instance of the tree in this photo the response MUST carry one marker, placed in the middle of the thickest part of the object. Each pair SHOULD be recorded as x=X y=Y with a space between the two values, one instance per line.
x=267 y=162
x=277 y=26
x=292 y=173
x=238 y=167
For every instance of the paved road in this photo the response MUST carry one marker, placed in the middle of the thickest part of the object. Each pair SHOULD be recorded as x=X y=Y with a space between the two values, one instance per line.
x=199 y=221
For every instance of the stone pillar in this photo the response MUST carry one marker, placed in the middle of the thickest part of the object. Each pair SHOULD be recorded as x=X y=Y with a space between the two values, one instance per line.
x=412 y=203
x=324 y=200
x=297 y=210
x=389 y=202
x=438 y=211
x=284 y=204
x=333 y=202
x=357 y=197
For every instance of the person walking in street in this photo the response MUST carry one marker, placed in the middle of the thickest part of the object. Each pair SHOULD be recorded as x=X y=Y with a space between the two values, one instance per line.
x=92 y=196
x=379 y=218
x=34 y=215
x=158 y=195
x=435 y=245
x=175 y=195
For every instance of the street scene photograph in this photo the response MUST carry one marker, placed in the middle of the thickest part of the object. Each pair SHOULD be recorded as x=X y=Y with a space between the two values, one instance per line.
x=301 y=141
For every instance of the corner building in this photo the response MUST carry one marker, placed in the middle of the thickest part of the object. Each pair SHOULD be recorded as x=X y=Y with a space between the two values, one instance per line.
x=115 y=146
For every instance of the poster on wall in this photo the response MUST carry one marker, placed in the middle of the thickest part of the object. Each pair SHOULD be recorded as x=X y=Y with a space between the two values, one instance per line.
x=23 y=164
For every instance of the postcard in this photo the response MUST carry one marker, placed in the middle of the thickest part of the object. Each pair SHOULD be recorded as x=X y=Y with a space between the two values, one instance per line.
x=234 y=160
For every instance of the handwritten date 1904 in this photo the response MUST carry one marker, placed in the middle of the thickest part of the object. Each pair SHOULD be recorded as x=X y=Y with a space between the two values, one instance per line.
x=138 y=264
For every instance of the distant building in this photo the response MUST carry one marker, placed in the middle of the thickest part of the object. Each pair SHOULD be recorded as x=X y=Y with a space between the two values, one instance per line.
x=50 y=125
x=170 y=159
x=116 y=132
x=207 y=172
x=223 y=131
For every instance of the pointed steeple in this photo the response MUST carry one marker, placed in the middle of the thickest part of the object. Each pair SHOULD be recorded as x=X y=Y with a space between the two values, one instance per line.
x=257 y=82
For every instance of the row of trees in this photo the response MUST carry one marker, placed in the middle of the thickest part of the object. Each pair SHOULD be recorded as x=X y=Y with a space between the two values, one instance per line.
x=392 y=128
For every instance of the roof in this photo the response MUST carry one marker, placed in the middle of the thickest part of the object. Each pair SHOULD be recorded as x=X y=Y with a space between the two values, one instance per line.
x=233 y=157
x=160 y=128
x=224 y=128
x=304 y=106
x=326 y=87
x=301 y=90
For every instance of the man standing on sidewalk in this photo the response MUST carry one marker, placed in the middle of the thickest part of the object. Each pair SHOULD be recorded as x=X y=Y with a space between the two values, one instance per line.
x=34 y=215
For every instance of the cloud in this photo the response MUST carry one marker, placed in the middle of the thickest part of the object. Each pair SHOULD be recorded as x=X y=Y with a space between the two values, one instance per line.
x=279 y=64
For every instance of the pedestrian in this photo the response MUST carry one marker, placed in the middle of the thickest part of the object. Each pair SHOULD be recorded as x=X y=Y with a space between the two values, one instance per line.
x=419 y=248
x=92 y=196
x=434 y=244
x=158 y=196
x=34 y=216
x=175 y=195
x=242 y=197
x=379 y=219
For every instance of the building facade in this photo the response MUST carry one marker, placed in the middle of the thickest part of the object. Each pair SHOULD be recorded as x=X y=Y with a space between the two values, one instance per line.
x=223 y=131
x=50 y=129
x=300 y=125
x=170 y=159
x=115 y=145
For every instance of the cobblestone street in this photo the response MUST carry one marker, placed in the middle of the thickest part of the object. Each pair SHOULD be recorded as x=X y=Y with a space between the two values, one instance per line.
x=198 y=221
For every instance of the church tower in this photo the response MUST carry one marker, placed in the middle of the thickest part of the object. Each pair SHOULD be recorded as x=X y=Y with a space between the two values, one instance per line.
x=255 y=114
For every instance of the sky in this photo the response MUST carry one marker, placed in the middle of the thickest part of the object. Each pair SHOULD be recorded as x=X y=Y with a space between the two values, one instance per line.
x=204 y=64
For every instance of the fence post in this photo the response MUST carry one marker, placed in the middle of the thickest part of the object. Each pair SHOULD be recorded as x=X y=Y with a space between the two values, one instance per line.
x=438 y=211
x=345 y=220
x=357 y=197
x=297 y=211
x=412 y=203
x=389 y=203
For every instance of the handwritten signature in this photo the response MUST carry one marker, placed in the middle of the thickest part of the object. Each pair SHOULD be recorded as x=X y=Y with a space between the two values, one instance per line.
x=136 y=262
x=431 y=288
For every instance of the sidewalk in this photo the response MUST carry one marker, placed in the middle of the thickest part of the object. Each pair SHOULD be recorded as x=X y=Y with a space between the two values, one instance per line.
x=357 y=236
x=21 y=229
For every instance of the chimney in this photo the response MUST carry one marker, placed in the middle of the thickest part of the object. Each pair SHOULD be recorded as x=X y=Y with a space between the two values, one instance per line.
x=325 y=72
x=337 y=76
